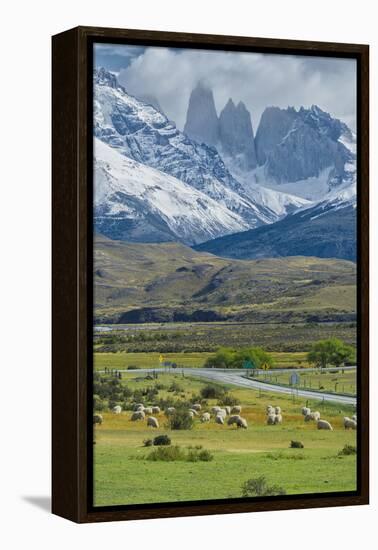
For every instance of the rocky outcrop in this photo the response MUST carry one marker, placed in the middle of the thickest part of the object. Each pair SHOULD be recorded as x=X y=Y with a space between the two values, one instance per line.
x=236 y=138
x=202 y=120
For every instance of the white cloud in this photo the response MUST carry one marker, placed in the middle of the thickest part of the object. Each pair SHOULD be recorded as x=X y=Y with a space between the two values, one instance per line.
x=257 y=79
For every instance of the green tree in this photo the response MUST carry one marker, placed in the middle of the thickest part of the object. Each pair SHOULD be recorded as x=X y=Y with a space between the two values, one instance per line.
x=229 y=358
x=330 y=352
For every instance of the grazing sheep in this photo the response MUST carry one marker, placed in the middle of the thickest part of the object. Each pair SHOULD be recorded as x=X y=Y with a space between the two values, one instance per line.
x=205 y=417
x=195 y=413
x=155 y=410
x=228 y=410
x=278 y=419
x=236 y=410
x=147 y=410
x=222 y=412
x=312 y=416
x=241 y=423
x=269 y=409
x=196 y=407
x=138 y=406
x=354 y=417
x=191 y=414
x=324 y=425
x=170 y=410
x=233 y=419
x=215 y=409
x=117 y=409
x=305 y=411
x=152 y=422
x=277 y=410
x=97 y=419
x=138 y=415
x=219 y=419
x=270 y=419
x=349 y=423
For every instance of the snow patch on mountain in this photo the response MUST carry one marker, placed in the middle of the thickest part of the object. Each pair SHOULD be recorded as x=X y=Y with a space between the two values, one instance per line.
x=123 y=185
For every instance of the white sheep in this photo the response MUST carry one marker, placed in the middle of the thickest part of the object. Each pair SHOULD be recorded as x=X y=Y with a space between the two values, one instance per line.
x=219 y=420
x=117 y=409
x=138 y=406
x=277 y=410
x=205 y=417
x=215 y=409
x=222 y=412
x=269 y=409
x=312 y=416
x=354 y=417
x=236 y=409
x=306 y=411
x=152 y=422
x=324 y=425
x=170 y=411
x=349 y=423
x=270 y=420
x=228 y=410
x=194 y=412
x=138 y=415
x=147 y=410
x=241 y=423
x=278 y=419
x=196 y=406
x=155 y=409
x=191 y=414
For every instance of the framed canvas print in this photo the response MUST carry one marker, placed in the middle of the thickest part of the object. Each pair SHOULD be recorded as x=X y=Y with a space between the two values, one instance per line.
x=210 y=274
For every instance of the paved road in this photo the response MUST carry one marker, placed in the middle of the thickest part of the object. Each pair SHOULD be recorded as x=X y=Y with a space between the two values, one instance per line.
x=237 y=378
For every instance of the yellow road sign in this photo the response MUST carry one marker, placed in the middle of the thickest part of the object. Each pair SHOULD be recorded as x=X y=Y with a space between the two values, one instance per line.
x=161 y=359
x=265 y=366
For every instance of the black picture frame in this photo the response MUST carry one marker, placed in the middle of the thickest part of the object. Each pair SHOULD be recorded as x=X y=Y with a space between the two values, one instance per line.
x=72 y=242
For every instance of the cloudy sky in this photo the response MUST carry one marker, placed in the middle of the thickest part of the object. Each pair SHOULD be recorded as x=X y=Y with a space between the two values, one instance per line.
x=259 y=80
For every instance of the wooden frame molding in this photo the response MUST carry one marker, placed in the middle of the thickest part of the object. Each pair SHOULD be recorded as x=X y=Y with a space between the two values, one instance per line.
x=72 y=272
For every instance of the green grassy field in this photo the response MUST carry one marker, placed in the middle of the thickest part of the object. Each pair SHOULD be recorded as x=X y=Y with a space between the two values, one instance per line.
x=123 y=475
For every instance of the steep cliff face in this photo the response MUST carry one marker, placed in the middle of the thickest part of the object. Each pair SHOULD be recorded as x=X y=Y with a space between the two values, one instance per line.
x=202 y=120
x=274 y=125
x=297 y=145
x=236 y=138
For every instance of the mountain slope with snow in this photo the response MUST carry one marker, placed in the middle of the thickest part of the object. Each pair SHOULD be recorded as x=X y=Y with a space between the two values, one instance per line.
x=140 y=132
x=137 y=203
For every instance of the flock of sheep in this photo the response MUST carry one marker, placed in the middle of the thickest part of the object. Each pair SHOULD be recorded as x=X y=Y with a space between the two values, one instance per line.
x=220 y=414
x=349 y=423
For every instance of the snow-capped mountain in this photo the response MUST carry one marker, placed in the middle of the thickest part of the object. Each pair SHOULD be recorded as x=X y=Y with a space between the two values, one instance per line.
x=137 y=203
x=139 y=131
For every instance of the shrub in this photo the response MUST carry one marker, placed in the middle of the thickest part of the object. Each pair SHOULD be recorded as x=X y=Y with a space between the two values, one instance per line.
x=348 y=450
x=180 y=420
x=258 y=487
x=229 y=400
x=212 y=391
x=176 y=453
x=205 y=455
x=162 y=440
x=167 y=454
x=132 y=367
x=296 y=445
